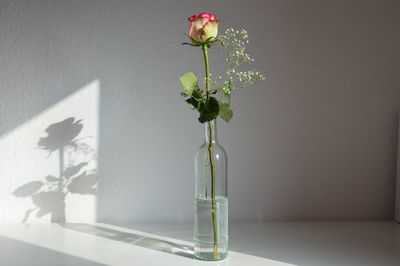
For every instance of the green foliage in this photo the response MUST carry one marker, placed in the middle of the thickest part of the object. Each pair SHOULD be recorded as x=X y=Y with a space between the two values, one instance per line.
x=208 y=107
x=197 y=94
x=208 y=110
x=193 y=103
x=212 y=105
x=195 y=99
x=233 y=43
x=225 y=111
x=189 y=83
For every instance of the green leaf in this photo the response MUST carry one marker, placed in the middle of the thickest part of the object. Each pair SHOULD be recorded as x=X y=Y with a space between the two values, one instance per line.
x=205 y=117
x=225 y=111
x=212 y=105
x=208 y=110
x=197 y=94
x=189 y=83
x=191 y=44
x=196 y=99
x=193 y=102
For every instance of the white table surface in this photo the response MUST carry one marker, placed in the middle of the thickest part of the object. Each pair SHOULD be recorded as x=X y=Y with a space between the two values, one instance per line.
x=253 y=244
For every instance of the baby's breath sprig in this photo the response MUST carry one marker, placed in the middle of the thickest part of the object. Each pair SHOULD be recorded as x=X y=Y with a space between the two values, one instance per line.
x=234 y=44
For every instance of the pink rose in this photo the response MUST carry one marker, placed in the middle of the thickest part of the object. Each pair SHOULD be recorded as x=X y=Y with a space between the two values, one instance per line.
x=203 y=26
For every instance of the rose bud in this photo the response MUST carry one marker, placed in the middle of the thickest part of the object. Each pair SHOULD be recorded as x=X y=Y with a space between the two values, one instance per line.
x=203 y=26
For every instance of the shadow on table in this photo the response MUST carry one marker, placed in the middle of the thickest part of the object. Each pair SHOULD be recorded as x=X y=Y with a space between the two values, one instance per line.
x=134 y=239
x=15 y=252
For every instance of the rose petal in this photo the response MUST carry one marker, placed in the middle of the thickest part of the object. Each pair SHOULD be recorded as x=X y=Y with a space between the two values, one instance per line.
x=204 y=15
x=210 y=29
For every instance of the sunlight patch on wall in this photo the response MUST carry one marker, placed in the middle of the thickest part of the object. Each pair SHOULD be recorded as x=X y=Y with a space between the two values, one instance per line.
x=48 y=164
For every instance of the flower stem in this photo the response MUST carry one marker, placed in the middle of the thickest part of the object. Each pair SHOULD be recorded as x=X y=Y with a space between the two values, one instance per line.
x=207 y=66
x=213 y=200
x=210 y=155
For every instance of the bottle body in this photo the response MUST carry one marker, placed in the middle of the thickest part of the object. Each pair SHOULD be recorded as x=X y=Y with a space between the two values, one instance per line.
x=211 y=199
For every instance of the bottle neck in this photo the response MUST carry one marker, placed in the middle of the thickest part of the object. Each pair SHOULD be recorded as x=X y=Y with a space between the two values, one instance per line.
x=211 y=131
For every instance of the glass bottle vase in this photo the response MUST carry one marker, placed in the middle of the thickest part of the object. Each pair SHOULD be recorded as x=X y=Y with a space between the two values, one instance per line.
x=211 y=198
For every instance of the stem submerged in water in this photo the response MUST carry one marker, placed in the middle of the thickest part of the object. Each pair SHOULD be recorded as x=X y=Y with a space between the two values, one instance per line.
x=210 y=155
x=214 y=205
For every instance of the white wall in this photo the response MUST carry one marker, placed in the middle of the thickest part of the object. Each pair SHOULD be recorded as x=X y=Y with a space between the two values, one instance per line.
x=316 y=140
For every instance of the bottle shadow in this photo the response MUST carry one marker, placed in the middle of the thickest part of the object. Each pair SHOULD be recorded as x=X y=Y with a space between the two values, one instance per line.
x=74 y=176
x=134 y=239
x=16 y=252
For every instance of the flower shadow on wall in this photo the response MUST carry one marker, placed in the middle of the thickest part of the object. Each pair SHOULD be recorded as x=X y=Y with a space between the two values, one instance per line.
x=75 y=175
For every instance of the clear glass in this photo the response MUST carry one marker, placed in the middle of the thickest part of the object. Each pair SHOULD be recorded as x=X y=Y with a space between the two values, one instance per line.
x=211 y=198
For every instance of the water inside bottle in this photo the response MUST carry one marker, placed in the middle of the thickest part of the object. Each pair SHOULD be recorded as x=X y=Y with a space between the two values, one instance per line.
x=204 y=240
